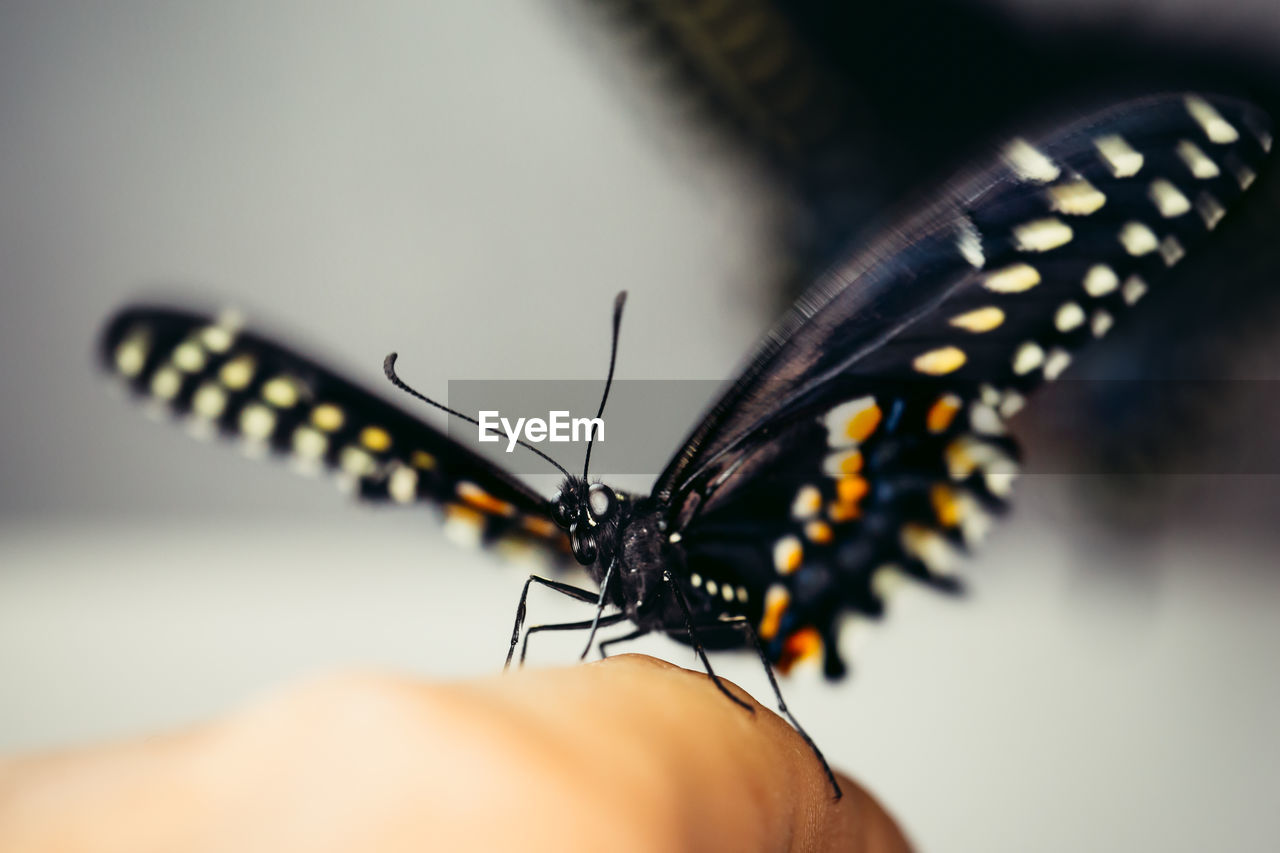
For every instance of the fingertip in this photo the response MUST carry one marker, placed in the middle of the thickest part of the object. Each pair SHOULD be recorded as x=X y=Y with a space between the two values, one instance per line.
x=749 y=769
x=858 y=822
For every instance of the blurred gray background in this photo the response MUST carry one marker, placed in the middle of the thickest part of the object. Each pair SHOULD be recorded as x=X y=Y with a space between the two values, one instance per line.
x=469 y=184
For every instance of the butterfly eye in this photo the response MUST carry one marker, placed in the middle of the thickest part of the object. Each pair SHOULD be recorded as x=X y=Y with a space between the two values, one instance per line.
x=584 y=548
x=562 y=512
x=600 y=501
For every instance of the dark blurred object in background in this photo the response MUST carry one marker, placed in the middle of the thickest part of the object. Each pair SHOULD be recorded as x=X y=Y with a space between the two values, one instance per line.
x=855 y=108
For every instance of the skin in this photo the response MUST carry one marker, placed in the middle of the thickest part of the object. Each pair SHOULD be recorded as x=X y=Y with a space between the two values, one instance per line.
x=627 y=754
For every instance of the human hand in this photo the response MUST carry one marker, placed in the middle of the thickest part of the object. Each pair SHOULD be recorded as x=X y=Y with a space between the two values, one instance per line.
x=627 y=754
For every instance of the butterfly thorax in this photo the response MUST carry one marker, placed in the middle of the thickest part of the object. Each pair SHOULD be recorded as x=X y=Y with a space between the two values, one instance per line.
x=617 y=537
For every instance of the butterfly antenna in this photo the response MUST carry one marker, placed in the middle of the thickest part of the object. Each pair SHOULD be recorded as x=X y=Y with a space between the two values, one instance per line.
x=389 y=368
x=608 y=383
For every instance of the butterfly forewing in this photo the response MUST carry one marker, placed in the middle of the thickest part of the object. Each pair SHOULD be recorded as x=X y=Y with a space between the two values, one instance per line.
x=222 y=378
x=1091 y=216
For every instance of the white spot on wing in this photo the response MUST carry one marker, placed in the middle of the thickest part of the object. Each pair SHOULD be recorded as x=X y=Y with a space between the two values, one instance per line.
x=1171 y=250
x=1057 y=361
x=787 y=555
x=217 y=338
x=1076 y=197
x=402 y=485
x=1167 y=198
x=1197 y=162
x=281 y=392
x=886 y=580
x=1000 y=483
x=357 y=462
x=929 y=547
x=940 y=362
x=237 y=373
x=1210 y=209
x=166 y=383
x=1012 y=279
x=969 y=243
x=1215 y=127
x=189 y=357
x=1011 y=404
x=1101 y=323
x=1042 y=235
x=807 y=504
x=1028 y=357
x=1138 y=239
x=1100 y=280
x=1069 y=317
x=1029 y=162
x=841 y=463
x=209 y=401
x=131 y=353
x=1244 y=174
x=1263 y=136
x=257 y=422
x=979 y=320
x=1134 y=289
x=985 y=420
x=1119 y=156
x=309 y=443
x=840 y=420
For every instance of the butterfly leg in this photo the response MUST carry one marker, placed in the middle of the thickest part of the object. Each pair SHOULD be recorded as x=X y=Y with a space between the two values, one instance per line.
x=611 y=619
x=564 y=588
x=636 y=634
x=595 y=623
x=744 y=625
x=697 y=644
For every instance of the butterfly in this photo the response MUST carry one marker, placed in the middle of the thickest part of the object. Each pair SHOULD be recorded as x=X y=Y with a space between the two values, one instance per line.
x=864 y=441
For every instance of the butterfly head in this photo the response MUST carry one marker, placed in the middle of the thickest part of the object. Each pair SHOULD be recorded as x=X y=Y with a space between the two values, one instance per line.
x=589 y=513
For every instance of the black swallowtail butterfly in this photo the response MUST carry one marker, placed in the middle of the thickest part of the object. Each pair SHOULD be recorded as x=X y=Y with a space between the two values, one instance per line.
x=865 y=437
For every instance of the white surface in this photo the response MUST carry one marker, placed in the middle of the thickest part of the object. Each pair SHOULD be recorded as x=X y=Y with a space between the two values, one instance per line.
x=1065 y=705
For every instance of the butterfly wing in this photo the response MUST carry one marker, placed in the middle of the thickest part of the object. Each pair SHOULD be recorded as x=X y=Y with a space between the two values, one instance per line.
x=867 y=432
x=222 y=378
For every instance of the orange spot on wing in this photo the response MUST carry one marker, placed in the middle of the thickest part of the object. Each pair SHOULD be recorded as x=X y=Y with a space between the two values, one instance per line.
x=819 y=532
x=942 y=413
x=803 y=645
x=852 y=462
x=840 y=513
x=788 y=555
x=775 y=604
x=478 y=498
x=539 y=526
x=946 y=505
x=864 y=423
x=850 y=490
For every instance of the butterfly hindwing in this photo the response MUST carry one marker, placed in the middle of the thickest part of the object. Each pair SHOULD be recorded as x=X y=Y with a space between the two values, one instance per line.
x=222 y=378
x=842 y=504
x=867 y=434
